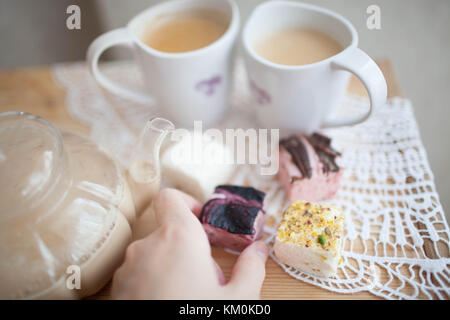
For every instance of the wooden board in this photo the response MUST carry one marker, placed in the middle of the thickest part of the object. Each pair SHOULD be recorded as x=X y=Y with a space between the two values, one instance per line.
x=34 y=91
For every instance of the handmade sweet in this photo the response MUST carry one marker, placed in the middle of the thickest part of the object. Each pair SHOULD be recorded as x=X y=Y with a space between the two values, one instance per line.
x=309 y=238
x=308 y=170
x=196 y=164
x=234 y=216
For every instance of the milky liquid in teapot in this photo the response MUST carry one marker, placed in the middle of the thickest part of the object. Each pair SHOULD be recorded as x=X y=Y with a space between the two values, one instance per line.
x=65 y=206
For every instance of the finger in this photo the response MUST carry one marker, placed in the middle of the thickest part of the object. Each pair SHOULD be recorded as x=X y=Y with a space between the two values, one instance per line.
x=193 y=204
x=249 y=271
x=171 y=205
x=220 y=275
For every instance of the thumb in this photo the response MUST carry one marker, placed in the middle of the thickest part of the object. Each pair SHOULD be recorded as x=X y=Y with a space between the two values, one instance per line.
x=249 y=271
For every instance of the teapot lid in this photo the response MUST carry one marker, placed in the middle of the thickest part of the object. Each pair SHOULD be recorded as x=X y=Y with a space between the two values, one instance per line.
x=31 y=150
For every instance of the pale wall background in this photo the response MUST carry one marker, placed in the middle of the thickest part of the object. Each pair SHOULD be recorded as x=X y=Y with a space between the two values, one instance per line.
x=415 y=36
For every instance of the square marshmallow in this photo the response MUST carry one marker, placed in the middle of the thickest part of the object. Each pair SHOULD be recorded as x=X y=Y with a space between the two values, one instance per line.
x=197 y=164
x=309 y=238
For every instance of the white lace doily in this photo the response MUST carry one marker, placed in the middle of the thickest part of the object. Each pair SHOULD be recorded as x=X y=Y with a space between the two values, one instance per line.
x=397 y=239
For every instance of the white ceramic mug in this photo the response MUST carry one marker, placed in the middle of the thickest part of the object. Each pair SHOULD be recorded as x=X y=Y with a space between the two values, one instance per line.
x=303 y=97
x=187 y=86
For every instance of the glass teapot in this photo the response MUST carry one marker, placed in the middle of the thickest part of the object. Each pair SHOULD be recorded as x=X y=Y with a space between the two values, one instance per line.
x=66 y=208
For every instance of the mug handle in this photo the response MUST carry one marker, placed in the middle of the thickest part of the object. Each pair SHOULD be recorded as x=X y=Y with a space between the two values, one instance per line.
x=98 y=46
x=361 y=65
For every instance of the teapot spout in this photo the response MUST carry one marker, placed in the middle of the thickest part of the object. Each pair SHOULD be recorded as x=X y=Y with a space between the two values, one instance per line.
x=145 y=169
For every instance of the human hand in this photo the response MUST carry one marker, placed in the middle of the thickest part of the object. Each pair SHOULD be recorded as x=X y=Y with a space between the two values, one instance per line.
x=175 y=262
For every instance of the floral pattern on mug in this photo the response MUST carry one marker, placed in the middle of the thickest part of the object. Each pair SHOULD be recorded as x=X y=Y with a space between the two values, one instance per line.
x=208 y=86
x=261 y=95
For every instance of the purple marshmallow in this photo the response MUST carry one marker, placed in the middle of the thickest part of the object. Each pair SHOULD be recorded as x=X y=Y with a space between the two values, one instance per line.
x=234 y=216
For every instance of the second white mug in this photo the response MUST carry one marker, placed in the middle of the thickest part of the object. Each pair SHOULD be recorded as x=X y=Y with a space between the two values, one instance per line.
x=302 y=97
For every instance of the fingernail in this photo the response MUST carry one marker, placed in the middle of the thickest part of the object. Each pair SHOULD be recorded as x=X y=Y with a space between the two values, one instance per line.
x=262 y=249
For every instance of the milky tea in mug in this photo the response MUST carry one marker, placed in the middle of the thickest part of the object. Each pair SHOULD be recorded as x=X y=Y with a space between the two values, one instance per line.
x=297 y=46
x=185 y=30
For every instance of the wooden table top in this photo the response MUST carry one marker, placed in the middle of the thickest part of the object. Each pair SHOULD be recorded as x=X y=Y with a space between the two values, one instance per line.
x=33 y=90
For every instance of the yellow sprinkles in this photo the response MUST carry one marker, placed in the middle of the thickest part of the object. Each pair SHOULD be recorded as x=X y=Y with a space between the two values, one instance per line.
x=311 y=224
